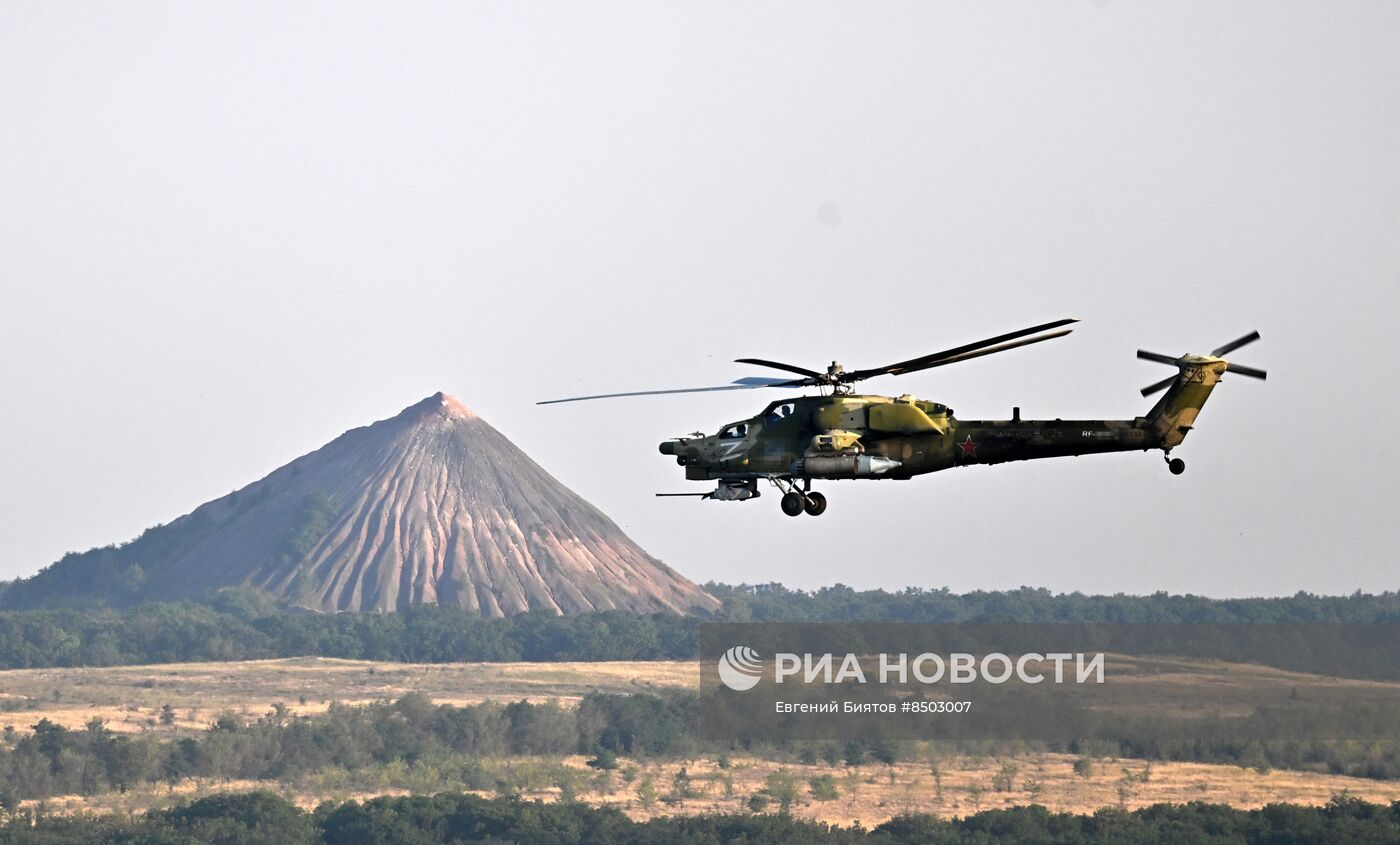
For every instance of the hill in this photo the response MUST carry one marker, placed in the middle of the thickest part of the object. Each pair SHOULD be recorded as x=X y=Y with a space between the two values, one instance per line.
x=432 y=506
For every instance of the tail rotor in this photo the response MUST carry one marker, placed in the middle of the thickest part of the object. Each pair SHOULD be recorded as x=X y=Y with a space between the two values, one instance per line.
x=1218 y=352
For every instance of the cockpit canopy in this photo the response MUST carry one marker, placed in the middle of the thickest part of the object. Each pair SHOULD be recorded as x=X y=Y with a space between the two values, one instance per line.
x=778 y=411
x=736 y=431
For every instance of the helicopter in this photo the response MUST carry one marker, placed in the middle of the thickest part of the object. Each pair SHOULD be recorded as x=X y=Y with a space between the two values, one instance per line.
x=839 y=434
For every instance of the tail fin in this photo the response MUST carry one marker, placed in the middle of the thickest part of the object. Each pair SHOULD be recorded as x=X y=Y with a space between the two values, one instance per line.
x=1175 y=413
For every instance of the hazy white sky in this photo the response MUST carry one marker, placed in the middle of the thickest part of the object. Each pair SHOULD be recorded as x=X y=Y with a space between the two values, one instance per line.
x=229 y=232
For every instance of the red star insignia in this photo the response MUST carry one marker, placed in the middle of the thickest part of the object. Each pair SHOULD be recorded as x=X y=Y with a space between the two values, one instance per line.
x=969 y=449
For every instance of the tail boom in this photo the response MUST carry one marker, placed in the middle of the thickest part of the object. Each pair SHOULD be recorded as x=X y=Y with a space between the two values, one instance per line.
x=984 y=442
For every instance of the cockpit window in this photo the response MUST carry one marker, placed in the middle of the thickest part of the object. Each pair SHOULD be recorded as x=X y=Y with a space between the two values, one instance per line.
x=780 y=413
x=738 y=431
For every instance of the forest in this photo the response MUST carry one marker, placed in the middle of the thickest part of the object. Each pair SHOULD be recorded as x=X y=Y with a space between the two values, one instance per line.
x=262 y=818
x=243 y=625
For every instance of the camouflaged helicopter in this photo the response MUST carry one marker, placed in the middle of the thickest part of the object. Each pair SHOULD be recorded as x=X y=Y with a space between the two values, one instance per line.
x=843 y=435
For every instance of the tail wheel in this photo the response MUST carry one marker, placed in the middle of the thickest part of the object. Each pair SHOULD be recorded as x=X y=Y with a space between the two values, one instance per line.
x=792 y=504
x=1177 y=466
x=815 y=504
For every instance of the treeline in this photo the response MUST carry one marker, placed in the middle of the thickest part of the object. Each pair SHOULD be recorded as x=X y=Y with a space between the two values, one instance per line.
x=839 y=603
x=461 y=743
x=241 y=625
x=262 y=818
x=177 y=633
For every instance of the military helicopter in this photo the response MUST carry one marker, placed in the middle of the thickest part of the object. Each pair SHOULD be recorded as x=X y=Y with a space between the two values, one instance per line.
x=839 y=434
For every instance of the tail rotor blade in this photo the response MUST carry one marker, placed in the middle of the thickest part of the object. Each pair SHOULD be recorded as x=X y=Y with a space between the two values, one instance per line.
x=1161 y=385
x=1156 y=356
x=1235 y=344
x=1240 y=369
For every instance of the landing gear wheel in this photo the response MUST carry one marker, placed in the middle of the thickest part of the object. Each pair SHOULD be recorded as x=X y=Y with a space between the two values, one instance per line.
x=815 y=504
x=792 y=504
x=1177 y=466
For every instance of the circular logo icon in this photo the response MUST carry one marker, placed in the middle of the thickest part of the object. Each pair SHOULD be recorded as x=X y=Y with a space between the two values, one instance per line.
x=740 y=668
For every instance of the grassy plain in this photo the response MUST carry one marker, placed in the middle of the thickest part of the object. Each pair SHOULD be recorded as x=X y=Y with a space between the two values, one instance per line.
x=869 y=794
x=130 y=699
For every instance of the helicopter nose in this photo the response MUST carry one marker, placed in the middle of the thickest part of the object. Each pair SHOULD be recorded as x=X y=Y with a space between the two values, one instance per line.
x=668 y=447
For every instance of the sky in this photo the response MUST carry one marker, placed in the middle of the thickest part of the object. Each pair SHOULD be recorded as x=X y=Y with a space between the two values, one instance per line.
x=229 y=232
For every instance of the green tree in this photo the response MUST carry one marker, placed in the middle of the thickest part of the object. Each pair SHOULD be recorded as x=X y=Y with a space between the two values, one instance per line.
x=646 y=791
x=781 y=786
x=823 y=788
x=605 y=760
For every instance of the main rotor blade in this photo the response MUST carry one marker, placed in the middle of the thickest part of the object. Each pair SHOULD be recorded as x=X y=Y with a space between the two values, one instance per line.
x=1161 y=385
x=1156 y=356
x=742 y=384
x=924 y=361
x=778 y=365
x=967 y=356
x=1235 y=344
x=1241 y=369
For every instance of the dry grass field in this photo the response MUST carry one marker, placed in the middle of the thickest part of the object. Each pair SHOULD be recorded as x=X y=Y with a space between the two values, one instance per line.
x=869 y=794
x=964 y=785
x=130 y=698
